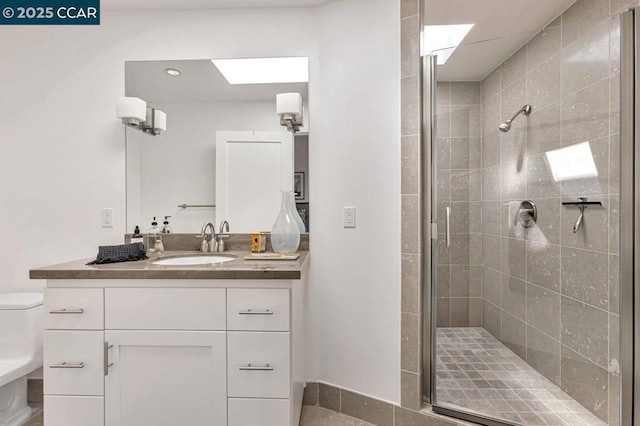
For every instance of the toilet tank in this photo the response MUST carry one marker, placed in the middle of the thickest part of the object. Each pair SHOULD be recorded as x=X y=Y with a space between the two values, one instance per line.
x=21 y=324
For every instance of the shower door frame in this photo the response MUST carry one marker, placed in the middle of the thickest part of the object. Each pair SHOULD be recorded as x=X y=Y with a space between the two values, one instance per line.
x=629 y=215
x=430 y=247
x=429 y=218
x=629 y=226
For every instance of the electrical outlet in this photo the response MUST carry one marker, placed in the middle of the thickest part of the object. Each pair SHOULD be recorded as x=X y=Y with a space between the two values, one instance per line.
x=107 y=218
x=349 y=217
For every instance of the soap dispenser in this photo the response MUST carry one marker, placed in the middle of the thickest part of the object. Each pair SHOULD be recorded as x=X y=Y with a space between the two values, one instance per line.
x=152 y=236
x=159 y=247
x=166 y=228
x=137 y=237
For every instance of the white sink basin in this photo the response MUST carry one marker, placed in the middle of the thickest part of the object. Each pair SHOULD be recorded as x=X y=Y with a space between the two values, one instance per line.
x=193 y=260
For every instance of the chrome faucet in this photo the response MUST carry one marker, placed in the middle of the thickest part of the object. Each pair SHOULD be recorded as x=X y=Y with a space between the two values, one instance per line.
x=212 y=244
x=221 y=246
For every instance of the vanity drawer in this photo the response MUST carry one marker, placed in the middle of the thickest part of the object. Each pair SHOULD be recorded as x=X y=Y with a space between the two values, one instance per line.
x=73 y=309
x=262 y=412
x=258 y=309
x=73 y=410
x=74 y=363
x=165 y=309
x=258 y=365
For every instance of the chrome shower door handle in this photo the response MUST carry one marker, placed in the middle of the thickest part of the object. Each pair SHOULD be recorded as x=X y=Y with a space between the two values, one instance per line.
x=448 y=225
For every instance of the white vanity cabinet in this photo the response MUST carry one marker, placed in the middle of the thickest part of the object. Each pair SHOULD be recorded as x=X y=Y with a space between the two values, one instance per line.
x=166 y=378
x=173 y=352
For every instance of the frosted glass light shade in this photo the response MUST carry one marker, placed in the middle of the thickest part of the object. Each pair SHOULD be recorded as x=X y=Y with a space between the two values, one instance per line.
x=289 y=103
x=131 y=108
x=159 y=120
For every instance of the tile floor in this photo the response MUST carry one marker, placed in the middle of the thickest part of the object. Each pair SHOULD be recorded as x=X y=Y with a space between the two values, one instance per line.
x=311 y=416
x=318 y=416
x=477 y=372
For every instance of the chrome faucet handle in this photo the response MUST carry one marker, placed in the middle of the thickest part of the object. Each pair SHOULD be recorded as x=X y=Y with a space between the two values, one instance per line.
x=208 y=246
x=203 y=233
x=220 y=244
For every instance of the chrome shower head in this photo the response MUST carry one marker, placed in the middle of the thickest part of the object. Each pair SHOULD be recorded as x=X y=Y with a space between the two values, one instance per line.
x=506 y=126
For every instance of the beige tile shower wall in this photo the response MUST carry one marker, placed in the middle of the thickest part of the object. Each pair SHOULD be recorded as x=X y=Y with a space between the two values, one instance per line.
x=549 y=294
x=411 y=247
x=459 y=302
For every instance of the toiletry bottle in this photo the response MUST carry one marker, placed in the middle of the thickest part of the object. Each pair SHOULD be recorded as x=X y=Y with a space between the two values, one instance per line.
x=137 y=236
x=152 y=236
x=166 y=228
x=159 y=246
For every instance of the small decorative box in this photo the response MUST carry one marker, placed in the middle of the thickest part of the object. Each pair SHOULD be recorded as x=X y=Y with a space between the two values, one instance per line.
x=259 y=242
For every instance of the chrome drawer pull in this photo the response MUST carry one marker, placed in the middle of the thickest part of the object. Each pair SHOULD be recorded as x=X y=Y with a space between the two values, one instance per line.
x=252 y=312
x=251 y=367
x=67 y=365
x=67 y=311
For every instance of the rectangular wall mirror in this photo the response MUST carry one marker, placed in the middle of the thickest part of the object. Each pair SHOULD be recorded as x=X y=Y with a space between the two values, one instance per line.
x=224 y=154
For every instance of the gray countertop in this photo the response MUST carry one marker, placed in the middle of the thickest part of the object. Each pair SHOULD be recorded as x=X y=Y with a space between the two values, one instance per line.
x=239 y=268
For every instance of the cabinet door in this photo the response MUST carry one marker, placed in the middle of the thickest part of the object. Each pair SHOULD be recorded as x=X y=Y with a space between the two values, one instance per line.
x=73 y=362
x=256 y=309
x=259 y=365
x=166 y=378
x=201 y=309
x=73 y=309
x=259 y=412
x=73 y=410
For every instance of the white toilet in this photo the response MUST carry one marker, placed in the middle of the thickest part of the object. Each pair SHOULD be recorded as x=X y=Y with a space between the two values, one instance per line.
x=20 y=353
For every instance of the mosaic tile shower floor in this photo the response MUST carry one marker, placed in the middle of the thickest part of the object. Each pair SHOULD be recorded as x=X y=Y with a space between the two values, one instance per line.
x=477 y=373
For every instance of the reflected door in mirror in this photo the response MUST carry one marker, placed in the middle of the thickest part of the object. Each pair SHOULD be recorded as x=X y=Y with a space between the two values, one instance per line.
x=251 y=169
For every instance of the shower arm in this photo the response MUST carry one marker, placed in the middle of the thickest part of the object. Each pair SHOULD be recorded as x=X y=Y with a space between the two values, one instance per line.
x=526 y=110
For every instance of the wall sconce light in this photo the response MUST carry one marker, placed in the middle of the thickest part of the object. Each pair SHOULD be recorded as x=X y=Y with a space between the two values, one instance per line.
x=289 y=108
x=134 y=112
x=155 y=123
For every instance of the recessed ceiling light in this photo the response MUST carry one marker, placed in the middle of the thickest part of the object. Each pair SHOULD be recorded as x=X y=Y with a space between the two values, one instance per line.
x=442 y=40
x=264 y=70
x=172 y=72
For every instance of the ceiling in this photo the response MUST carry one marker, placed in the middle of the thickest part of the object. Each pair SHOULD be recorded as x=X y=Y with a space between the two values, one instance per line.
x=508 y=24
x=204 y=4
x=200 y=81
x=501 y=27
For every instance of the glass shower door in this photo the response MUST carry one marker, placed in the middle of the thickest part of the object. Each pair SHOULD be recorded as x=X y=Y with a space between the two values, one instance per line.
x=526 y=199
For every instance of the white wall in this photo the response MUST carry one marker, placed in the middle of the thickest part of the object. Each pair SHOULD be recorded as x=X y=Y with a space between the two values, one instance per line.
x=354 y=154
x=63 y=149
x=179 y=165
x=63 y=155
